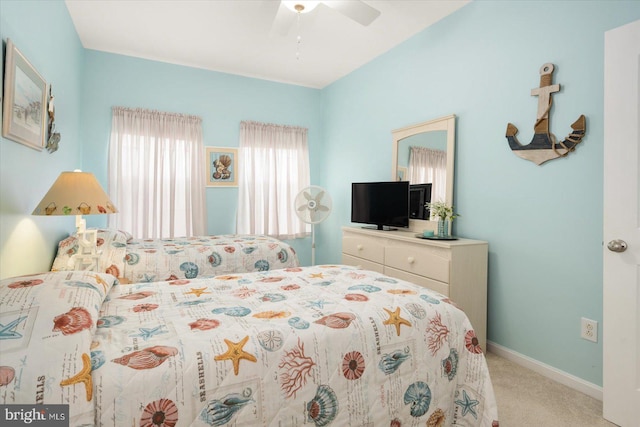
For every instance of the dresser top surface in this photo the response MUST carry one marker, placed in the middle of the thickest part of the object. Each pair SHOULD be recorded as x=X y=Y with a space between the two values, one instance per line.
x=410 y=236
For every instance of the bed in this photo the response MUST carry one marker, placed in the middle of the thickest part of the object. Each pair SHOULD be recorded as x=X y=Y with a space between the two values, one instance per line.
x=150 y=260
x=318 y=346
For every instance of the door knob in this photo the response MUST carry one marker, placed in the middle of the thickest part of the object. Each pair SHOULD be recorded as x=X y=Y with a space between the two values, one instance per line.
x=617 y=246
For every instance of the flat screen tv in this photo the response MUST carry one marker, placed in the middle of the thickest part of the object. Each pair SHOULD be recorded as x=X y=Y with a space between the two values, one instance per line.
x=383 y=204
x=419 y=195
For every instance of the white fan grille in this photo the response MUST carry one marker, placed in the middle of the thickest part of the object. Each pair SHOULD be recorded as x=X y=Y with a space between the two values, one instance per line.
x=313 y=205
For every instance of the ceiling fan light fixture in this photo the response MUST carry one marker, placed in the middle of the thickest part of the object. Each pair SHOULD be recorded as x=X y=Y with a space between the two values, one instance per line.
x=300 y=6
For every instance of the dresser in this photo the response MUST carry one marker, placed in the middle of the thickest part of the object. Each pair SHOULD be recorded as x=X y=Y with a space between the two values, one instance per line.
x=454 y=268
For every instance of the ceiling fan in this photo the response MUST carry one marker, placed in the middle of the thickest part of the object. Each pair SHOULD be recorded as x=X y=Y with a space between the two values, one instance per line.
x=288 y=11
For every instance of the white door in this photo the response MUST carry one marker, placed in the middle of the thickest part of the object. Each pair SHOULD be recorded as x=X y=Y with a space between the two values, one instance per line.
x=621 y=292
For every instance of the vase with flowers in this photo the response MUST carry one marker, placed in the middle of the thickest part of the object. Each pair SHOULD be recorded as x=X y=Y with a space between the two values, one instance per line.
x=444 y=213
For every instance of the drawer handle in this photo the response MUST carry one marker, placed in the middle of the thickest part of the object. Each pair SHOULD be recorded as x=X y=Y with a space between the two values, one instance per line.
x=360 y=247
x=411 y=260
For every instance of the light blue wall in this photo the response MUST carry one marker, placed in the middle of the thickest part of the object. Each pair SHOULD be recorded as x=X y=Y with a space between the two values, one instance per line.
x=543 y=223
x=222 y=100
x=44 y=33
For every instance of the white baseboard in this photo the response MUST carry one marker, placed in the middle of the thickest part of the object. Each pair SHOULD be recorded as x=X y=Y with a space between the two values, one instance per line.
x=550 y=372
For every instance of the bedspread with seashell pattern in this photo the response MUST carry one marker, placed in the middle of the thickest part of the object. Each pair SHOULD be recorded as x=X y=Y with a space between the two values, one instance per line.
x=151 y=260
x=320 y=346
x=154 y=260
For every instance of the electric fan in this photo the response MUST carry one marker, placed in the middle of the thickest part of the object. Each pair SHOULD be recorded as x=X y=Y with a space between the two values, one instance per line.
x=312 y=205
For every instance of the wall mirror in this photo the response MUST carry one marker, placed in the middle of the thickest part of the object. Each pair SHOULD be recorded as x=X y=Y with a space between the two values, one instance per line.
x=424 y=154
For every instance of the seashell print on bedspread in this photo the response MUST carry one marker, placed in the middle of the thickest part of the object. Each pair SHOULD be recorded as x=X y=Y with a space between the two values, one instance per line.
x=204 y=256
x=289 y=347
x=153 y=260
x=300 y=346
x=47 y=324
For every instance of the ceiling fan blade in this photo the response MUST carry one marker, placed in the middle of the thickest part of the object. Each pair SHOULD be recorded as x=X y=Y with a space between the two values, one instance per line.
x=357 y=10
x=283 y=21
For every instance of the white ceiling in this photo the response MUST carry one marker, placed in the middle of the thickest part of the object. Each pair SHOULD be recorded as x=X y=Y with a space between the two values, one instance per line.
x=236 y=36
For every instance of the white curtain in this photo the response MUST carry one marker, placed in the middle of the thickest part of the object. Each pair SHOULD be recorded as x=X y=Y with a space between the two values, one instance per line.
x=157 y=173
x=275 y=167
x=429 y=166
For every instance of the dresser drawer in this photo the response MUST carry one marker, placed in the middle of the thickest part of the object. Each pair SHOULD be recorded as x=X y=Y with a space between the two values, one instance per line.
x=421 y=262
x=456 y=269
x=365 y=247
x=425 y=282
x=361 y=263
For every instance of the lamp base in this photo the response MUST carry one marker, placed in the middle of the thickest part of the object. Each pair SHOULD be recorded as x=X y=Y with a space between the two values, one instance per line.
x=87 y=256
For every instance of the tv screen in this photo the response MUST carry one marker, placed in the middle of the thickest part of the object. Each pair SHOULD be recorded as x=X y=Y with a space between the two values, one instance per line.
x=383 y=204
x=419 y=195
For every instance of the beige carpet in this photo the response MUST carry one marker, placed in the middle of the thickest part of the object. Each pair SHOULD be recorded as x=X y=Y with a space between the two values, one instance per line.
x=528 y=399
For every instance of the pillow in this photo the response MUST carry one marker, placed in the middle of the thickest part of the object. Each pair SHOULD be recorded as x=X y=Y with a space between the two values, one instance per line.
x=49 y=321
x=111 y=248
x=128 y=236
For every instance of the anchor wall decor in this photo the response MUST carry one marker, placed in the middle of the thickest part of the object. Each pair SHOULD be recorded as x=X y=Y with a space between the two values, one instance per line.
x=543 y=146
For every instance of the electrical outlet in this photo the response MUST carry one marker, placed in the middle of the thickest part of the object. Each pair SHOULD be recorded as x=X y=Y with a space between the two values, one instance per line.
x=589 y=329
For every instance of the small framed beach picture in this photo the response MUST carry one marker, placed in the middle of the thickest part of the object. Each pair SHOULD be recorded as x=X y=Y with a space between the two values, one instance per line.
x=222 y=167
x=25 y=101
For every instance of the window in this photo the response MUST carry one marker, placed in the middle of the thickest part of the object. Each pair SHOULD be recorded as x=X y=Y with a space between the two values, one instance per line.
x=157 y=177
x=275 y=167
x=430 y=166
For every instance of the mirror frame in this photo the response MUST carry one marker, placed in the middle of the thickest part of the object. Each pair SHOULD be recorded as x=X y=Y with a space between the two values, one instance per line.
x=447 y=123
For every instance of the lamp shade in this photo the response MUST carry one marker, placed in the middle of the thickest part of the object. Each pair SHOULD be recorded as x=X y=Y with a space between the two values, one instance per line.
x=75 y=193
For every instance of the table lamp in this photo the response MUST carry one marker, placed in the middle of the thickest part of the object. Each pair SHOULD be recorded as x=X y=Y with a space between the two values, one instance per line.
x=78 y=193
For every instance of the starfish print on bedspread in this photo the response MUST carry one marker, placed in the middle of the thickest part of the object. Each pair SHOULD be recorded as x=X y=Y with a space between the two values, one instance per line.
x=468 y=405
x=395 y=319
x=235 y=353
x=146 y=333
x=84 y=376
x=319 y=303
x=197 y=291
x=7 y=332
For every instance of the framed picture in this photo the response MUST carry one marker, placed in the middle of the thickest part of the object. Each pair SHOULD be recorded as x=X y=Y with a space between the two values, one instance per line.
x=222 y=167
x=25 y=101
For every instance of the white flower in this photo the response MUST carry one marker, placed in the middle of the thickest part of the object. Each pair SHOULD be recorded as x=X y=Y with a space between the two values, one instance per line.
x=441 y=210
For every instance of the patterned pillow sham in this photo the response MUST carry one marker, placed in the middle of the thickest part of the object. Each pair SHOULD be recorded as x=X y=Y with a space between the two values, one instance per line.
x=111 y=247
